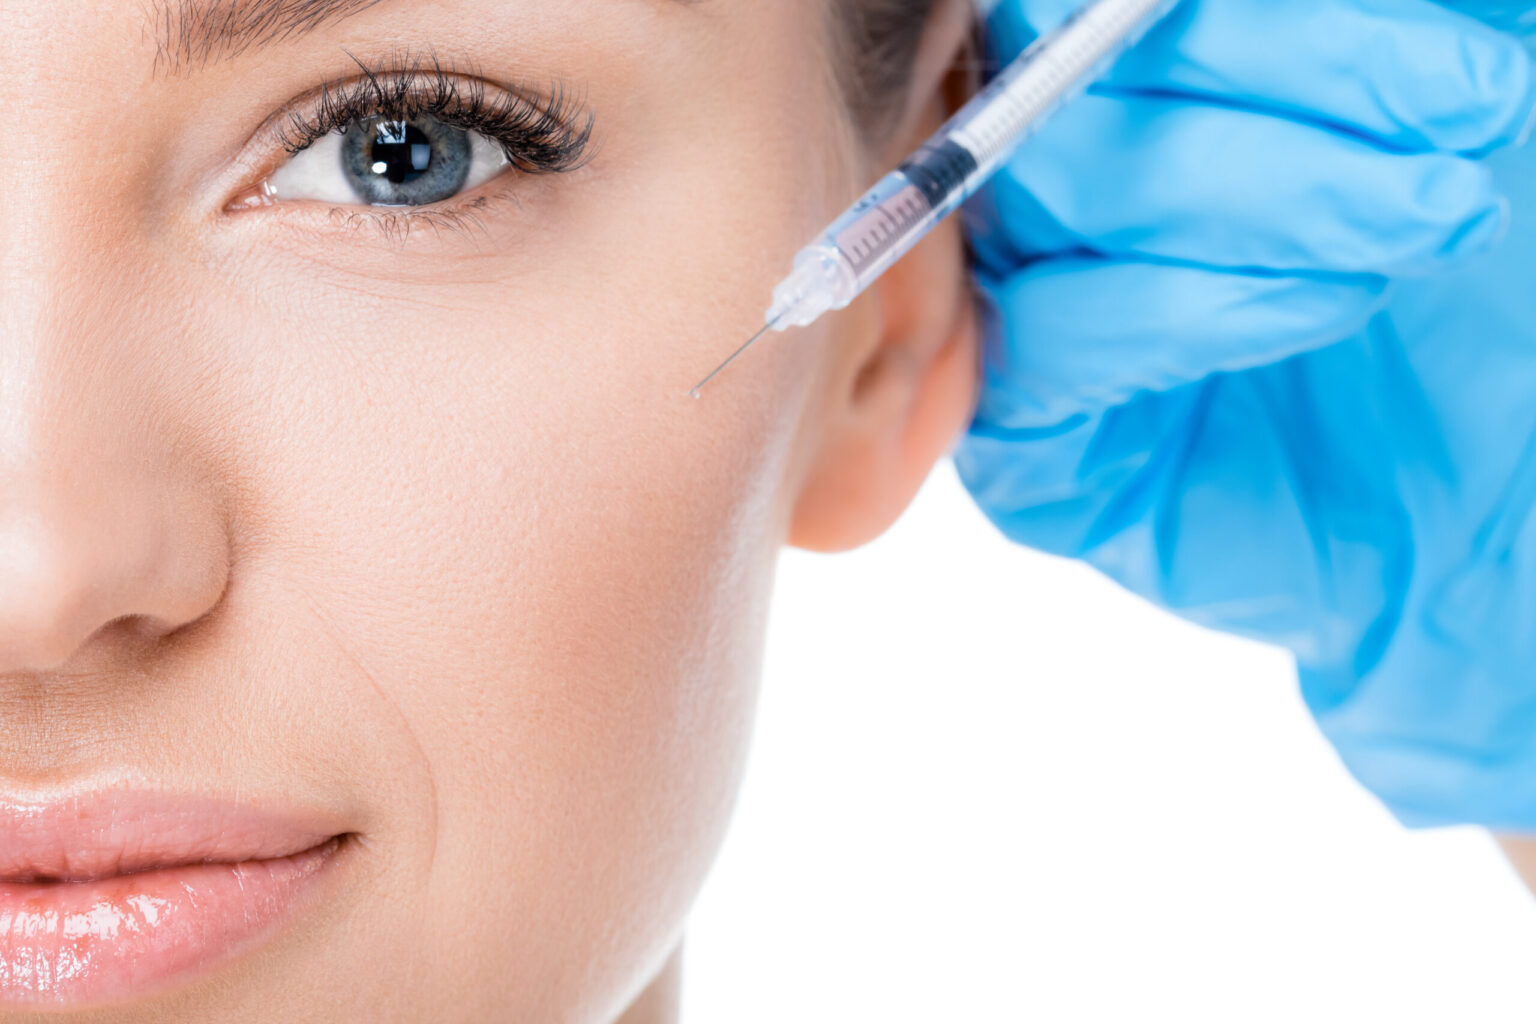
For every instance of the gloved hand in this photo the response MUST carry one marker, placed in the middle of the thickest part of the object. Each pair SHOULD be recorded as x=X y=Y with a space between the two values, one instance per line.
x=1202 y=379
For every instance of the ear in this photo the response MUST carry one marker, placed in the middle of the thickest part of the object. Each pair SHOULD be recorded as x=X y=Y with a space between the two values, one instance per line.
x=904 y=383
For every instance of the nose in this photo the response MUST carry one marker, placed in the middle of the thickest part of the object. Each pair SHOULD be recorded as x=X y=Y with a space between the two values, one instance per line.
x=112 y=524
x=102 y=523
x=81 y=550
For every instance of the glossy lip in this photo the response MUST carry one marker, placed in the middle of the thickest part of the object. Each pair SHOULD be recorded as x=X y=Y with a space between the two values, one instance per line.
x=110 y=895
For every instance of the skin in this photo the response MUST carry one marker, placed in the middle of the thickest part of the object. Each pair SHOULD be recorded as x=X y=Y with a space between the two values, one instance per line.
x=1521 y=852
x=425 y=532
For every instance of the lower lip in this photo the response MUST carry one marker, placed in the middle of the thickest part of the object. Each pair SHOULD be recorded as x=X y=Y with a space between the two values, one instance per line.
x=80 y=944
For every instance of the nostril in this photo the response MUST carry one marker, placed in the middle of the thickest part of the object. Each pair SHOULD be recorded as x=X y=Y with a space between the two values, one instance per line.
x=137 y=627
x=136 y=624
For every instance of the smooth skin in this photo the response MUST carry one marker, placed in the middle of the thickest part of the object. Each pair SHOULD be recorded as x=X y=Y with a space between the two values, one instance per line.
x=422 y=528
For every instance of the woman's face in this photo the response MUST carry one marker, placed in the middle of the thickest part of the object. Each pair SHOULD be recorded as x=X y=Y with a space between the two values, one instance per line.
x=402 y=520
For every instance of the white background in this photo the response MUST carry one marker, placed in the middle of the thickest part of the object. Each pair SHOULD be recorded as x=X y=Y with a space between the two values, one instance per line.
x=989 y=786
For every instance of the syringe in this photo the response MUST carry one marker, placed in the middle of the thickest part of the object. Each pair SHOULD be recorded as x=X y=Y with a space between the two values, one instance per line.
x=950 y=167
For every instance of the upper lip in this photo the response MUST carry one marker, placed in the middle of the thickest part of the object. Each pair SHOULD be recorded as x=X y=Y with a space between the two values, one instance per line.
x=103 y=833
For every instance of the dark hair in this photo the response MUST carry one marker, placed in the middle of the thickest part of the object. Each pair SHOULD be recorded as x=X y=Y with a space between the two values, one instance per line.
x=877 y=44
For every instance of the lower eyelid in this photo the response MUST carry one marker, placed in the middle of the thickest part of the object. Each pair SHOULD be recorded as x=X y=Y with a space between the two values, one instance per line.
x=399 y=223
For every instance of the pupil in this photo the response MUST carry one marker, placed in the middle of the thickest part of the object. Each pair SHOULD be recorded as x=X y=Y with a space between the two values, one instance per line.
x=400 y=152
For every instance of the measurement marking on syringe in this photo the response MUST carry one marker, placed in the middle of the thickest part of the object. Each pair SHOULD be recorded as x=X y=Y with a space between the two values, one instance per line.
x=871 y=237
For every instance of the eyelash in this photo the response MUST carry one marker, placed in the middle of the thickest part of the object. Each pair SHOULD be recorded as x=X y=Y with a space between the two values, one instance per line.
x=551 y=135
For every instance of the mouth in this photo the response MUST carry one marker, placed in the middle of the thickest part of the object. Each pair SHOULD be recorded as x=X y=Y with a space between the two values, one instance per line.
x=110 y=896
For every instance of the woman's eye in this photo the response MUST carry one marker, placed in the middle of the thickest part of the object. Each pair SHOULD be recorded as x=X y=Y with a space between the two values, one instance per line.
x=387 y=161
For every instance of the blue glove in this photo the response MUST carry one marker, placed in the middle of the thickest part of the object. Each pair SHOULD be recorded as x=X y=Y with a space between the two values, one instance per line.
x=1250 y=356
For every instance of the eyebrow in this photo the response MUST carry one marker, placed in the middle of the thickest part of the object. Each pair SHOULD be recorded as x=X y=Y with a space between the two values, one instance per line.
x=192 y=33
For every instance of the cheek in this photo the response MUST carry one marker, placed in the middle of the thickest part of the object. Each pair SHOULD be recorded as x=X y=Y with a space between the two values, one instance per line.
x=549 y=567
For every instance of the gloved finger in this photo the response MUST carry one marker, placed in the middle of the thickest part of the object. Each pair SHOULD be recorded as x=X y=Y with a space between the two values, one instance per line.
x=1078 y=335
x=1409 y=73
x=1206 y=184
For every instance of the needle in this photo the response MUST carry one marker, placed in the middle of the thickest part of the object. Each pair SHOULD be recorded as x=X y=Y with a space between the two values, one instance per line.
x=750 y=342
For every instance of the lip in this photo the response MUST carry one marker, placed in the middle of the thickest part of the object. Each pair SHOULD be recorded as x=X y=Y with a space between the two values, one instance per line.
x=111 y=895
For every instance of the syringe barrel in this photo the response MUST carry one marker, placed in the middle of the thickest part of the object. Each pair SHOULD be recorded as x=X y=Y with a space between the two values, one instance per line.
x=859 y=246
x=897 y=213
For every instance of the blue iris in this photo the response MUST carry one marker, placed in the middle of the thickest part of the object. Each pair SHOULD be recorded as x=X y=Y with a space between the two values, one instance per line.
x=393 y=162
